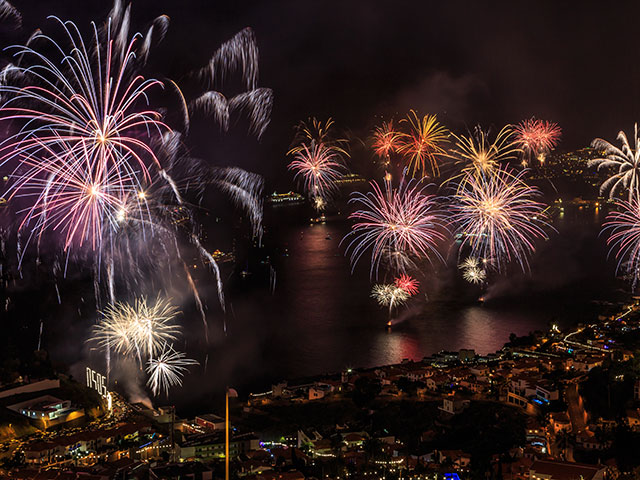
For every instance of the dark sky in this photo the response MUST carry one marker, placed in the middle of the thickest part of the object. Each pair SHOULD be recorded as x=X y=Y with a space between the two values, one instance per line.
x=488 y=62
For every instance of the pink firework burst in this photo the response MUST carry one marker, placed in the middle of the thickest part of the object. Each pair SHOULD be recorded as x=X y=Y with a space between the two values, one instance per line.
x=84 y=132
x=624 y=237
x=405 y=220
x=537 y=137
x=499 y=217
x=319 y=167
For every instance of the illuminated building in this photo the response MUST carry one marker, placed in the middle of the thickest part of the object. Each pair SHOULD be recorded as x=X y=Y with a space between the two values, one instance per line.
x=46 y=407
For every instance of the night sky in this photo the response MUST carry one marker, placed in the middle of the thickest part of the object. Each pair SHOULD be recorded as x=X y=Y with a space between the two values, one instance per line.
x=491 y=63
x=474 y=62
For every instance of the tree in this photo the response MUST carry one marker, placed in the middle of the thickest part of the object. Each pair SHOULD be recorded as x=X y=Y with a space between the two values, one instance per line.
x=372 y=448
x=365 y=391
x=407 y=386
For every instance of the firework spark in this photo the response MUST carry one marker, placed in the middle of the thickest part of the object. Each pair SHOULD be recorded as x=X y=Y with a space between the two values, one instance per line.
x=478 y=155
x=408 y=284
x=498 y=217
x=257 y=103
x=405 y=220
x=82 y=120
x=386 y=140
x=167 y=369
x=537 y=137
x=319 y=167
x=315 y=131
x=469 y=262
x=389 y=295
x=624 y=237
x=423 y=144
x=92 y=160
x=141 y=328
x=474 y=275
x=626 y=162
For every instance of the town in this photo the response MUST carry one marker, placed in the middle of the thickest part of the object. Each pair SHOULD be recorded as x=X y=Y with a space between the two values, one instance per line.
x=550 y=405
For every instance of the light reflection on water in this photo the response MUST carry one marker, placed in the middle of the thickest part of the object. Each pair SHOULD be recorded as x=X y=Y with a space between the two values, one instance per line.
x=321 y=318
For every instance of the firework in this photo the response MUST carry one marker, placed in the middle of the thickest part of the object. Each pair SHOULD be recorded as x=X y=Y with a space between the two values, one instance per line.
x=474 y=275
x=405 y=220
x=9 y=14
x=423 y=144
x=140 y=328
x=92 y=160
x=407 y=283
x=472 y=271
x=87 y=120
x=314 y=131
x=469 y=262
x=478 y=155
x=167 y=369
x=389 y=295
x=537 y=137
x=624 y=237
x=498 y=217
x=397 y=261
x=386 y=140
x=245 y=189
x=238 y=53
x=257 y=103
x=625 y=161
x=319 y=167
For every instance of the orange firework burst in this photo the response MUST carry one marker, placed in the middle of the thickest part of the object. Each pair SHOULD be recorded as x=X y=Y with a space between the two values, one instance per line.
x=386 y=140
x=424 y=143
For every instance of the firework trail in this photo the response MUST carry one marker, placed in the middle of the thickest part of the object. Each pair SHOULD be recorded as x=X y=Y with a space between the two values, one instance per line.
x=625 y=161
x=624 y=237
x=245 y=189
x=408 y=284
x=536 y=138
x=92 y=162
x=314 y=131
x=82 y=127
x=498 y=217
x=405 y=220
x=474 y=275
x=142 y=327
x=423 y=144
x=318 y=167
x=474 y=271
x=386 y=140
x=238 y=53
x=214 y=267
x=9 y=13
x=167 y=369
x=87 y=148
x=389 y=295
x=478 y=155
x=256 y=103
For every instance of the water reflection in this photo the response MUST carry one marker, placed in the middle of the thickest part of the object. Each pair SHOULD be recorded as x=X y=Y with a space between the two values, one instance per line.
x=321 y=318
